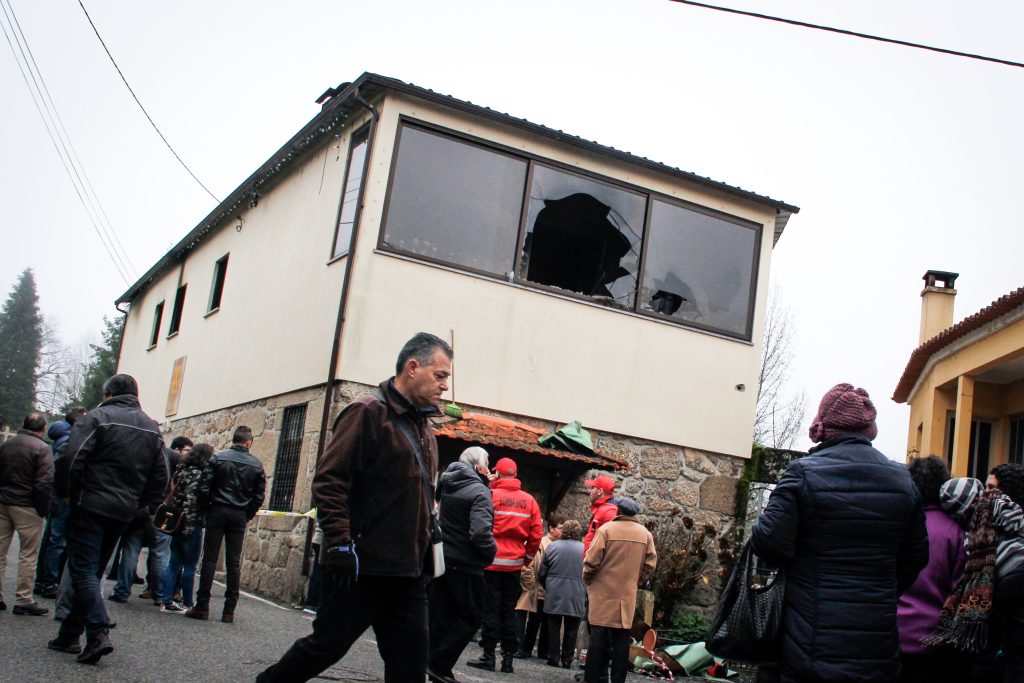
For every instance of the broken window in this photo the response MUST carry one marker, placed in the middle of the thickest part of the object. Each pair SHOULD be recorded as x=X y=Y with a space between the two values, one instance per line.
x=700 y=268
x=455 y=202
x=583 y=236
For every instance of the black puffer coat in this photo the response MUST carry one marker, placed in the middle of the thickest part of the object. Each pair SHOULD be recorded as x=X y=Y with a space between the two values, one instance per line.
x=467 y=519
x=849 y=527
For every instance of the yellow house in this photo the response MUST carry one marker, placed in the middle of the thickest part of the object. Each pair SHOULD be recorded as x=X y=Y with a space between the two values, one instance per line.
x=965 y=382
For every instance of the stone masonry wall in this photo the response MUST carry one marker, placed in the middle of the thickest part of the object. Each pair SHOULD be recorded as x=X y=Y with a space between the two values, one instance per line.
x=663 y=478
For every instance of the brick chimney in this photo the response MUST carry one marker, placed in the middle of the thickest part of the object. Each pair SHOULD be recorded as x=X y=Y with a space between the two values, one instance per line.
x=937 y=303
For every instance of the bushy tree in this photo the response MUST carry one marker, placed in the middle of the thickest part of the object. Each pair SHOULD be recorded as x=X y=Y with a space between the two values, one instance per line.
x=21 y=331
x=102 y=365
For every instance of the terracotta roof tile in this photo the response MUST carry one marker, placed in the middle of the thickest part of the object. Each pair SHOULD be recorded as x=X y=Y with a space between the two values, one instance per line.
x=919 y=358
x=496 y=431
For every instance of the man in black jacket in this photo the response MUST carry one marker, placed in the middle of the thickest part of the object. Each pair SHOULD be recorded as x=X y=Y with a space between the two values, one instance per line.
x=116 y=465
x=234 y=485
x=847 y=524
x=26 y=483
x=457 y=598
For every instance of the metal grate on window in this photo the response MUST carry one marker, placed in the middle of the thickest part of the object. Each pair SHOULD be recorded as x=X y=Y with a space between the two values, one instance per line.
x=286 y=468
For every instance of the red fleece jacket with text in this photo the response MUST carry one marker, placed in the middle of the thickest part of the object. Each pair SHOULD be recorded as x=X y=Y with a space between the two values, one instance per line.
x=517 y=525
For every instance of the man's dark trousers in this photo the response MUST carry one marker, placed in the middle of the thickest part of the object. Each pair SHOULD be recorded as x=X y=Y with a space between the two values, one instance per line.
x=223 y=524
x=456 y=608
x=91 y=541
x=602 y=640
x=396 y=609
x=499 y=623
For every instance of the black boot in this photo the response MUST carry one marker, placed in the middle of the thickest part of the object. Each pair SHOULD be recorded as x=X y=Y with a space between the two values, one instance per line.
x=97 y=645
x=485 y=662
x=506 y=664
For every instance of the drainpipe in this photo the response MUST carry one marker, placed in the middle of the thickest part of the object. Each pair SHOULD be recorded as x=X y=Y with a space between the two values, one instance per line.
x=342 y=305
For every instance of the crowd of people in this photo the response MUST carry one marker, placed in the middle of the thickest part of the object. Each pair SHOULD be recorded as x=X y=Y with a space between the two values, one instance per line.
x=84 y=506
x=894 y=574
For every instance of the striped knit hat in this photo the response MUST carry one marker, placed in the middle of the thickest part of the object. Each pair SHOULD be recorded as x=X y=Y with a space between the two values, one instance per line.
x=844 y=410
x=958 y=495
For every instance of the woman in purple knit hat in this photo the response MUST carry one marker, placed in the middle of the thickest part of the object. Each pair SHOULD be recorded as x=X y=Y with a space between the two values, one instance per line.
x=920 y=605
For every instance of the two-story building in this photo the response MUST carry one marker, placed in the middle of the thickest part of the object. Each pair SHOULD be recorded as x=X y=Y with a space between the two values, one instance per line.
x=576 y=281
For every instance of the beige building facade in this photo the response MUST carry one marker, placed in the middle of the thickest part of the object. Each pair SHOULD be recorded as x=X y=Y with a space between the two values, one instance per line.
x=965 y=382
x=576 y=282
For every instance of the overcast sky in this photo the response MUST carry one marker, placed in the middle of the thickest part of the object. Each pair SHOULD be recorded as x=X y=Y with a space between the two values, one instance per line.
x=901 y=160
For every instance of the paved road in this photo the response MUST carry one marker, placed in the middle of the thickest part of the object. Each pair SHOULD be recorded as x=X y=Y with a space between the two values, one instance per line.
x=151 y=647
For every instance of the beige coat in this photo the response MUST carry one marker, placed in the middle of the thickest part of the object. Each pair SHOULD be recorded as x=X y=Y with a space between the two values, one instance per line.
x=621 y=557
x=532 y=590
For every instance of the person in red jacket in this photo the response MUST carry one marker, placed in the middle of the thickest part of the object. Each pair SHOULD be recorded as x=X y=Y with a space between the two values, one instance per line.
x=517 y=530
x=602 y=506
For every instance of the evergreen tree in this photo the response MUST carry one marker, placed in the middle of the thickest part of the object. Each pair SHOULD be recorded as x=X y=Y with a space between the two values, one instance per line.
x=102 y=365
x=21 y=331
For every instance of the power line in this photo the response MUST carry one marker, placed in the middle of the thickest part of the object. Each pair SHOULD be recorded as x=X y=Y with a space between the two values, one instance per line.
x=77 y=163
x=855 y=34
x=52 y=131
x=125 y=80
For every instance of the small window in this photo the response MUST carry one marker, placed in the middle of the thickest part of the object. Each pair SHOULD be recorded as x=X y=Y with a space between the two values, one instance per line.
x=286 y=467
x=455 y=202
x=220 y=271
x=700 y=268
x=353 y=191
x=583 y=236
x=179 y=306
x=1016 y=454
x=158 y=316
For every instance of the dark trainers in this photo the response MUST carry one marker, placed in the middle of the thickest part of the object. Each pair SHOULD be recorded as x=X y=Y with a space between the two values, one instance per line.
x=196 y=613
x=485 y=662
x=114 y=597
x=61 y=644
x=49 y=592
x=3 y=605
x=506 y=665
x=32 y=609
x=97 y=646
x=171 y=607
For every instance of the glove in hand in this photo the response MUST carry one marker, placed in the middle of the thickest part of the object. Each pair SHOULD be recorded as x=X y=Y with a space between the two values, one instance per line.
x=341 y=565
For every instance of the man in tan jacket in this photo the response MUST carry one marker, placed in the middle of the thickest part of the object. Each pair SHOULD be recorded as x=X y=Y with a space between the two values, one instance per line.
x=621 y=557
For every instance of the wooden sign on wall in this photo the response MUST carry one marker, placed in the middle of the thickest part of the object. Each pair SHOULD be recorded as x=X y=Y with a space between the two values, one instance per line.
x=174 y=393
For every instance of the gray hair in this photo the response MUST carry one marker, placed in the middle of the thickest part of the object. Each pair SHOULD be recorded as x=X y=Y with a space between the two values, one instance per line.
x=474 y=456
x=422 y=348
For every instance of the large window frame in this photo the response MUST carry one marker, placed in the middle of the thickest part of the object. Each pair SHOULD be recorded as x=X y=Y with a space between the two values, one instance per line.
x=177 y=311
x=515 y=276
x=361 y=136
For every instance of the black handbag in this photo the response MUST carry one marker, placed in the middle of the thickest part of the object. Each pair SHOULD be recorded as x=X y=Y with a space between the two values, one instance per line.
x=747 y=625
x=169 y=518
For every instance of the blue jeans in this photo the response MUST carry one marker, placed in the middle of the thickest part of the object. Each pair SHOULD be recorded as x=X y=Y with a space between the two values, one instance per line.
x=91 y=540
x=182 y=567
x=131 y=547
x=49 y=562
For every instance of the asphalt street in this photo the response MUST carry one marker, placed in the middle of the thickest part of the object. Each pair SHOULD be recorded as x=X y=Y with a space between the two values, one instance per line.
x=151 y=647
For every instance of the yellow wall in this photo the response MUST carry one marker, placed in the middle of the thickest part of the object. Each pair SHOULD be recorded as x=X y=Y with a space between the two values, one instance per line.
x=934 y=396
x=274 y=329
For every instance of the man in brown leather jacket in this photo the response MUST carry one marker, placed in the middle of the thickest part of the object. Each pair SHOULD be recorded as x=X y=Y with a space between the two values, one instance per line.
x=373 y=490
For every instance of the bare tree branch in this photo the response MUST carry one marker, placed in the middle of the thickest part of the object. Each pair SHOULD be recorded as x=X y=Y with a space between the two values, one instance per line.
x=780 y=414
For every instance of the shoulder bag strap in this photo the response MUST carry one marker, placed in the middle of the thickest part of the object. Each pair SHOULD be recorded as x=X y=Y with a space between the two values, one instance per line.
x=406 y=429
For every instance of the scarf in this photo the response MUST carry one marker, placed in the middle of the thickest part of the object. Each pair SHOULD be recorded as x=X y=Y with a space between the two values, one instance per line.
x=964 y=620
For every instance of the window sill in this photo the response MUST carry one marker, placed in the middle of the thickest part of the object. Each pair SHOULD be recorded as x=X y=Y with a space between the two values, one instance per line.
x=337 y=258
x=172 y=335
x=151 y=347
x=211 y=312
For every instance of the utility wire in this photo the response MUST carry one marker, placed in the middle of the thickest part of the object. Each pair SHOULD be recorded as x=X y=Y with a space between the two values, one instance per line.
x=148 y=117
x=55 y=118
x=855 y=34
x=69 y=169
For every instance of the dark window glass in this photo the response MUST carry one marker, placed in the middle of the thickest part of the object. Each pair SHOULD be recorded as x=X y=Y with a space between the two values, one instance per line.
x=1017 y=441
x=699 y=268
x=353 y=187
x=220 y=271
x=158 y=316
x=977 y=454
x=179 y=306
x=286 y=467
x=455 y=202
x=583 y=236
